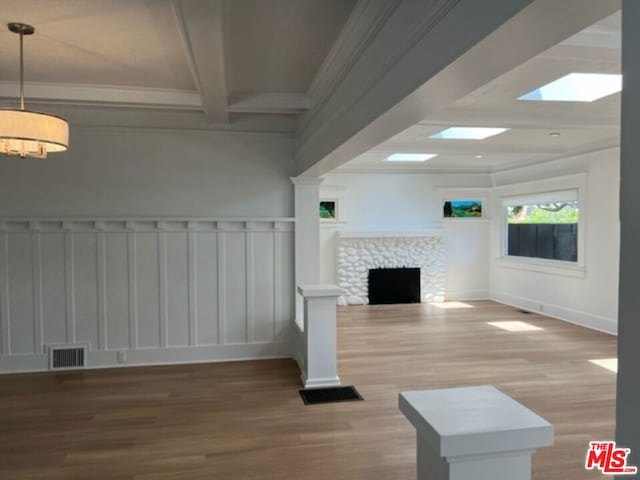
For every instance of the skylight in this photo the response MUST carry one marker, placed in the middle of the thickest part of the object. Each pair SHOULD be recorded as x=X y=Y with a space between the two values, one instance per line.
x=410 y=157
x=577 y=87
x=469 y=133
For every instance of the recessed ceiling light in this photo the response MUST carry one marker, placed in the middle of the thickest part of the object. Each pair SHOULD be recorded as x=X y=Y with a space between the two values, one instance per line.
x=577 y=87
x=554 y=134
x=479 y=156
x=410 y=157
x=469 y=133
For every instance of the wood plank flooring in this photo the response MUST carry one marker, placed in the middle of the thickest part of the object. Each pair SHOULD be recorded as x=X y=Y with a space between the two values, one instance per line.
x=245 y=420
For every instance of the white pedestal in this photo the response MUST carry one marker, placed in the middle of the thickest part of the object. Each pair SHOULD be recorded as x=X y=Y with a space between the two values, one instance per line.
x=321 y=365
x=474 y=433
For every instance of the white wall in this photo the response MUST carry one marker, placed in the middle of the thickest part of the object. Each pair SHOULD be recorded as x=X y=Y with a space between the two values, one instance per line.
x=211 y=283
x=588 y=296
x=405 y=202
x=119 y=172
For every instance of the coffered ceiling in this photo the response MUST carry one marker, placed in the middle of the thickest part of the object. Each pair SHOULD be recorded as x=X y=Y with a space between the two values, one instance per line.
x=272 y=65
x=582 y=127
x=221 y=57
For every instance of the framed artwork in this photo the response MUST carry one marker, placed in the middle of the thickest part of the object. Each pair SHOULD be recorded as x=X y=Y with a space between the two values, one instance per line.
x=462 y=209
x=328 y=210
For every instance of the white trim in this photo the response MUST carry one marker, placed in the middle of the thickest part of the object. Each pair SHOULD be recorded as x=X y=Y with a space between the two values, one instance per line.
x=541 y=265
x=360 y=30
x=303 y=180
x=400 y=170
x=320 y=382
x=577 y=317
x=144 y=224
x=567 y=182
x=267 y=102
x=155 y=356
x=106 y=95
x=436 y=232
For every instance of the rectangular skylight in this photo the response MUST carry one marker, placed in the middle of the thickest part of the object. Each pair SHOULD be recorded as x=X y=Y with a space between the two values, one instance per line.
x=469 y=133
x=577 y=87
x=410 y=157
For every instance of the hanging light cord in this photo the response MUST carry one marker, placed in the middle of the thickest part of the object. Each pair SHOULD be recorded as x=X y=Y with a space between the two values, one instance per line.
x=21 y=70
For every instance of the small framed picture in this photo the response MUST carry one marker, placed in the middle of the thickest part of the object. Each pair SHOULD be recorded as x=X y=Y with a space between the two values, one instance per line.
x=329 y=210
x=462 y=209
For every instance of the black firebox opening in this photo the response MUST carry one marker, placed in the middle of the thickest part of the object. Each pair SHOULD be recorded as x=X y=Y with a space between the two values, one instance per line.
x=394 y=285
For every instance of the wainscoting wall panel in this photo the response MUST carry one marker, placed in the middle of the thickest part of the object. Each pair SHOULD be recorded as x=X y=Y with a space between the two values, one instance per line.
x=144 y=291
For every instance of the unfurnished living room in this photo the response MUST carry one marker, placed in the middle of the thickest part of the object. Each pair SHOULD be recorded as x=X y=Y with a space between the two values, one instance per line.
x=319 y=239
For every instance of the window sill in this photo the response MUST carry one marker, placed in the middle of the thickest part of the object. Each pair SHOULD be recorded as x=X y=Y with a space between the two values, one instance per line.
x=549 y=267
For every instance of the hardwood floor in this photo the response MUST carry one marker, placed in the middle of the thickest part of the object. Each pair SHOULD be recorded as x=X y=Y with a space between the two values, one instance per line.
x=245 y=420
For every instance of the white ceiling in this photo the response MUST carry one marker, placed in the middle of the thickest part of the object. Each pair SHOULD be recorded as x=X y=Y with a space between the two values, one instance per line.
x=96 y=42
x=221 y=57
x=278 y=46
x=582 y=126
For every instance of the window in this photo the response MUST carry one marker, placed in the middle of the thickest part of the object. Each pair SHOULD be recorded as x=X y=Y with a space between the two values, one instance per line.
x=543 y=226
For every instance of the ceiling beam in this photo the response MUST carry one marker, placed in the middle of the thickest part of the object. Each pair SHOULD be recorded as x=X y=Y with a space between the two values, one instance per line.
x=468 y=43
x=276 y=103
x=463 y=147
x=117 y=97
x=202 y=27
x=553 y=117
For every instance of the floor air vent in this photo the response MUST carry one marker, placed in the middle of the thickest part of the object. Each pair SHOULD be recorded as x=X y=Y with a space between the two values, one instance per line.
x=67 y=357
x=312 y=396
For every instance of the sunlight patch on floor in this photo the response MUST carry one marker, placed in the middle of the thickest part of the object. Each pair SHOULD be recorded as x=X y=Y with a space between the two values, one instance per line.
x=515 y=326
x=610 y=364
x=451 y=305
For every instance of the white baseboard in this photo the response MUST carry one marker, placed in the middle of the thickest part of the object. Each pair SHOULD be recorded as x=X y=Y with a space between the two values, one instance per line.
x=156 y=356
x=319 y=382
x=577 y=317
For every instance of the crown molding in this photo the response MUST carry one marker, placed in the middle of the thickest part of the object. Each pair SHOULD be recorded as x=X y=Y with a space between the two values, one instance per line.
x=114 y=96
x=122 y=118
x=360 y=29
x=360 y=32
x=306 y=180
x=413 y=170
x=275 y=103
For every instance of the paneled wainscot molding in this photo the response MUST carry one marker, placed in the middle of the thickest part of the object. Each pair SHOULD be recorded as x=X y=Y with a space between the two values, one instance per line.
x=145 y=291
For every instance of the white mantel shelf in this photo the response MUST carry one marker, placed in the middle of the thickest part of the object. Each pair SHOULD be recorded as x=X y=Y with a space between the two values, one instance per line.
x=387 y=234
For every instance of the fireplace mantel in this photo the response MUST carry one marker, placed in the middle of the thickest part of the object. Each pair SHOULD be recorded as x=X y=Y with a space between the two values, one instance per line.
x=358 y=252
x=391 y=234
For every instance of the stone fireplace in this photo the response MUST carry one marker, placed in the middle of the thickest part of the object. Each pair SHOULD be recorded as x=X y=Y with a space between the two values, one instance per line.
x=359 y=253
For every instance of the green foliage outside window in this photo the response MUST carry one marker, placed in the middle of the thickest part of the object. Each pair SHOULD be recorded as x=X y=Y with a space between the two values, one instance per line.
x=558 y=212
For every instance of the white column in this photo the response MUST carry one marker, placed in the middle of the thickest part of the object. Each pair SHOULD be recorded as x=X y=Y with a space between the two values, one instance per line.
x=320 y=337
x=628 y=394
x=474 y=433
x=307 y=235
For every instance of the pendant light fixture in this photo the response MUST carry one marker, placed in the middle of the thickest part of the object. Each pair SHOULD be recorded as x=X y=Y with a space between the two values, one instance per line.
x=25 y=133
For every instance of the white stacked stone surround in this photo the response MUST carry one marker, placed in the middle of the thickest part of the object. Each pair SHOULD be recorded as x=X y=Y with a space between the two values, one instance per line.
x=357 y=254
